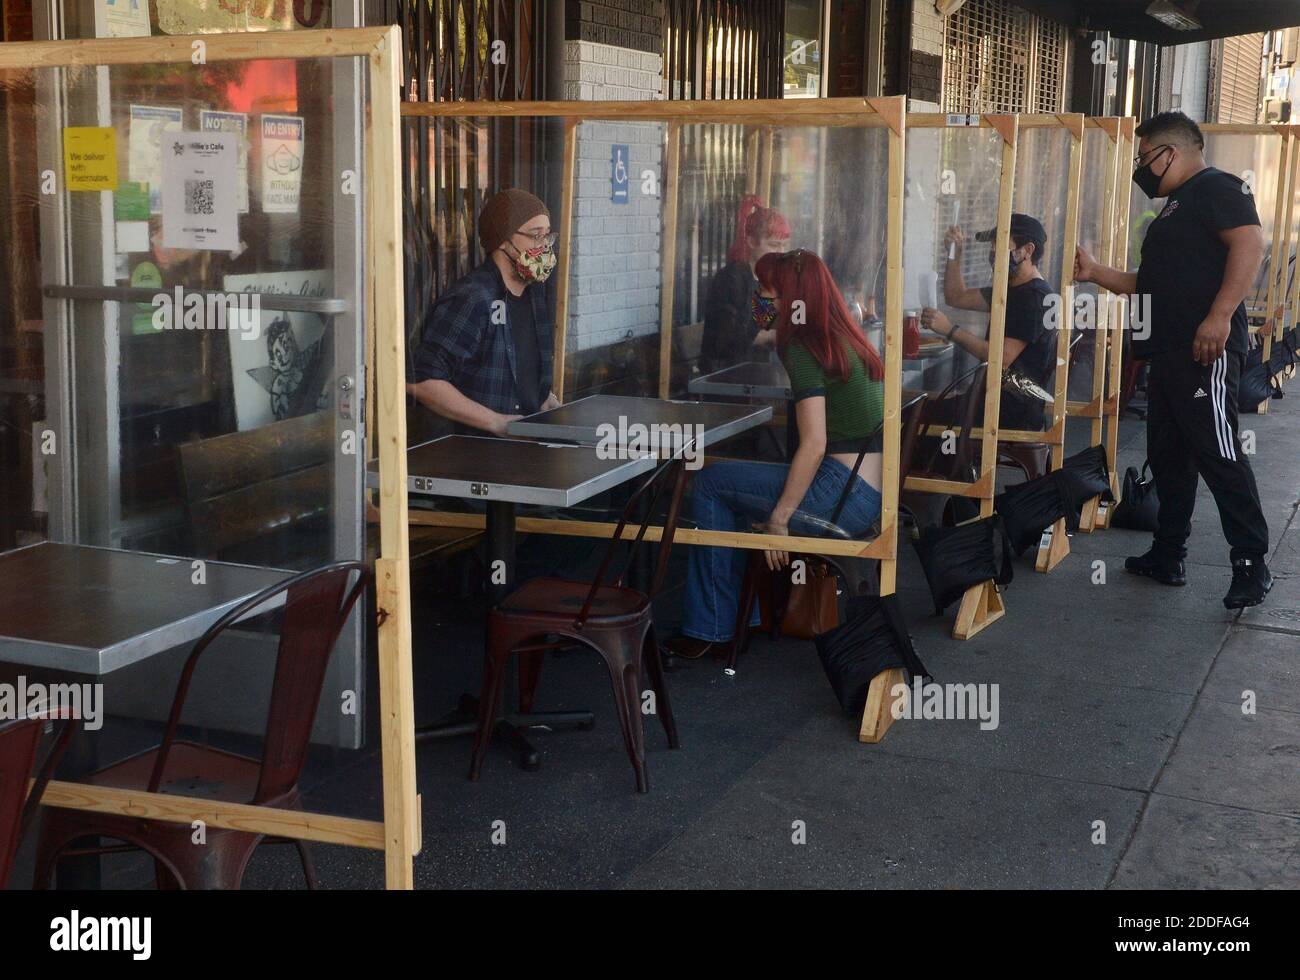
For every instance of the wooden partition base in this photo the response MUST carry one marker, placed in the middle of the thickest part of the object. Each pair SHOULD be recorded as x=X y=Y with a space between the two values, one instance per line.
x=878 y=715
x=1056 y=548
x=981 y=606
x=1088 y=518
x=1103 y=515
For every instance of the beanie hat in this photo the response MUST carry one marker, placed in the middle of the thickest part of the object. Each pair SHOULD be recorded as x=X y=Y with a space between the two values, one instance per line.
x=504 y=214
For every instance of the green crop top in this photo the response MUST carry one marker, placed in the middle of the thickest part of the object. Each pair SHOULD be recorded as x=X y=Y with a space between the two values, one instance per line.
x=854 y=408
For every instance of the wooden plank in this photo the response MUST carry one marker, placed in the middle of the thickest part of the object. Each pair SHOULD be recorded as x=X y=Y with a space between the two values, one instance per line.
x=1124 y=147
x=211 y=467
x=562 y=285
x=981 y=607
x=1057 y=548
x=163 y=49
x=850 y=111
x=392 y=570
x=893 y=359
x=880 y=547
x=299 y=824
x=878 y=714
x=668 y=258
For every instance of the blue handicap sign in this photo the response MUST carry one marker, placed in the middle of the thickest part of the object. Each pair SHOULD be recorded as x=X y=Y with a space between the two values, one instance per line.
x=619 y=180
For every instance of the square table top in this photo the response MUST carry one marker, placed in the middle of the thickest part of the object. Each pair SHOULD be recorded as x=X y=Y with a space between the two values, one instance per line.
x=754 y=380
x=515 y=470
x=582 y=420
x=91 y=610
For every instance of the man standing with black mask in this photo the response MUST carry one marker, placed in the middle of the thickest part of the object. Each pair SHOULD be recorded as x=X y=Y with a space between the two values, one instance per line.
x=1200 y=257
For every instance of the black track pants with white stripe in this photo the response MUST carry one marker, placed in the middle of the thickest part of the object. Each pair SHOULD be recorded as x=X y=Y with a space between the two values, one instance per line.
x=1192 y=429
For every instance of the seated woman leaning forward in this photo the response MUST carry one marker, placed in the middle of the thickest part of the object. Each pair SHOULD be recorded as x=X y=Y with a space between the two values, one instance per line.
x=836 y=380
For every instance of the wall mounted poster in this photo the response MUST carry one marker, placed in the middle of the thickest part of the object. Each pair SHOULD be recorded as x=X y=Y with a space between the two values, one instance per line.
x=148 y=123
x=198 y=192
x=212 y=121
x=283 y=145
x=122 y=18
x=281 y=369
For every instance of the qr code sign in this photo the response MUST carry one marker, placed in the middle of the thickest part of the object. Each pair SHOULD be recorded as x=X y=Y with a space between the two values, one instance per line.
x=198 y=197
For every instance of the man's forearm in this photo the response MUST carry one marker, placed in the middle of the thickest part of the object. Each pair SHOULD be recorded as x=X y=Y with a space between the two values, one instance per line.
x=954 y=284
x=967 y=341
x=444 y=398
x=1116 y=281
x=1239 y=274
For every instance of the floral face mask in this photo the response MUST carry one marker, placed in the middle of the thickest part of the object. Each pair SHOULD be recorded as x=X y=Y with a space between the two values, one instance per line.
x=536 y=264
x=764 y=310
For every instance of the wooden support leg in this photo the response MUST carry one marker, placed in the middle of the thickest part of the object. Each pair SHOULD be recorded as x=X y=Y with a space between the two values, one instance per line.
x=1262 y=408
x=1103 y=515
x=1088 y=519
x=980 y=607
x=1054 y=549
x=879 y=712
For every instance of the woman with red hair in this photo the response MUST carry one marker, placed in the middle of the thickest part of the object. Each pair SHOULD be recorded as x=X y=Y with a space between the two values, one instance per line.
x=734 y=327
x=836 y=381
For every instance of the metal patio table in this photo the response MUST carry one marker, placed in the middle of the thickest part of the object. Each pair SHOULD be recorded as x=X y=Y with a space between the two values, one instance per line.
x=503 y=473
x=581 y=421
x=749 y=380
x=89 y=610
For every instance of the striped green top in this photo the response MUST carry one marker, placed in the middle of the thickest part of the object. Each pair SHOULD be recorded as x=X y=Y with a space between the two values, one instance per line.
x=854 y=408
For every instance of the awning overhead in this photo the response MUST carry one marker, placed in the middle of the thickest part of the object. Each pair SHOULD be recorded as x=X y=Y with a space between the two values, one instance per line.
x=1129 y=18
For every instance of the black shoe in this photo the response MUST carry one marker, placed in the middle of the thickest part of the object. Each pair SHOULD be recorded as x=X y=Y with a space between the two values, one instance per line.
x=689 y=648
x=1250 y=583
x=1154 y=565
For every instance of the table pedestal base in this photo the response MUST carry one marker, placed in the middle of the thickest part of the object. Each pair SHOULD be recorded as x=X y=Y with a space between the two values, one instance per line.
x=510 y=729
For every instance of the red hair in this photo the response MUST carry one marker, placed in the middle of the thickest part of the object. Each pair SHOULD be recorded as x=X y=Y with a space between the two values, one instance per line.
x=755 y=221
x=828 y=326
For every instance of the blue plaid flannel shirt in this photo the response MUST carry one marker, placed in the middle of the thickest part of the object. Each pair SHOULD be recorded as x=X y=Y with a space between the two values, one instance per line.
x=460 y=344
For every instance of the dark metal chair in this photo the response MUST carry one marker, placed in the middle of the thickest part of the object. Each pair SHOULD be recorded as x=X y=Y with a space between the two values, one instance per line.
x=317 y=604
x=19 y=742
x=614 y=620
x=1032 y=458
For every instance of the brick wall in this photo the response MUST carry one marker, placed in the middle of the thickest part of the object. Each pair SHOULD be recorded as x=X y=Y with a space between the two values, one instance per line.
x=926 y=67
x=615 y=248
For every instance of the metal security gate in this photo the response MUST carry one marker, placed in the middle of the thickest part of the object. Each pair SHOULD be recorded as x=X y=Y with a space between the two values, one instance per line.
x=1000 y=58
x=723 y=49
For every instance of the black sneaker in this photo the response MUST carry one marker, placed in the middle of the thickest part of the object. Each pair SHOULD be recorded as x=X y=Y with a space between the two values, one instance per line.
x=1162 y=568
x=1250 y=583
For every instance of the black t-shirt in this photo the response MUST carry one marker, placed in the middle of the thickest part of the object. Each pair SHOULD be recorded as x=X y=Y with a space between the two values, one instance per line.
x=1183 y=261
x=729 y=327
x=1028 y=307
x=528 y=354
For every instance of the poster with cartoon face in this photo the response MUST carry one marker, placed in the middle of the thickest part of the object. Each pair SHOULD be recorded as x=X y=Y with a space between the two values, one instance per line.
x=280 y=365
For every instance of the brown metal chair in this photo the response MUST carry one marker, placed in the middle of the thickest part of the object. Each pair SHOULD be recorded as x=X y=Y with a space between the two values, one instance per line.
x=614 y=620
x=317 y=604
x=19 y=741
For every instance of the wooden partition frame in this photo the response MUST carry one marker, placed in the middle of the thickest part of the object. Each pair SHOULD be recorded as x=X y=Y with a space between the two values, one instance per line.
x=1115 y=381
x=1285 y=310
x=982 y=605
x=398 y=833
x=765 y=115
x=1095 y=408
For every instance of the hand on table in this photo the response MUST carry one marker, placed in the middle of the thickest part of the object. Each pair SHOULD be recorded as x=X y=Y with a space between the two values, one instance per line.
x=500 y=422
x=550 y=403
x=776 y=560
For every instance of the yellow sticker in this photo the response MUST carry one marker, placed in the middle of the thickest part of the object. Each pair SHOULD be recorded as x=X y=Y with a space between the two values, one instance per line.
x=90 y=158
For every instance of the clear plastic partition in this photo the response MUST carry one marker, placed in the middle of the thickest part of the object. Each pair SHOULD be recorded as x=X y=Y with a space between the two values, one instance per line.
x=954 y=176
x=451 y=167
x=1096 y=189
x=1042 y=191
x=182 y=326
x=617 y=246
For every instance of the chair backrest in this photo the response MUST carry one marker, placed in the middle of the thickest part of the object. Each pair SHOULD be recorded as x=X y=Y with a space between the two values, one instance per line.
x=969 y=401
x=19 y=741
x=909 y=425
x=656 y=479
x=317 y=604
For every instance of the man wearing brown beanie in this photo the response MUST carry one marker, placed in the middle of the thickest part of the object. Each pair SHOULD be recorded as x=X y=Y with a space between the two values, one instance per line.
x=487 y=345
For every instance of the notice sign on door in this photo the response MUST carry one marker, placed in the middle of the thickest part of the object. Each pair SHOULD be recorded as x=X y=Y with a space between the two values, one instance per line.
x=90 y=158
x=199 y=207
x=282 y=156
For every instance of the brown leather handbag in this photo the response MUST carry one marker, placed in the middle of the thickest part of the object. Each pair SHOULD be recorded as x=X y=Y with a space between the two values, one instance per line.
x=812 y=607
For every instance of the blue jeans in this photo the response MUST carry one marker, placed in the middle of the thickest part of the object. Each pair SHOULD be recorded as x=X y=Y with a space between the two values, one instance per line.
x=731 y=496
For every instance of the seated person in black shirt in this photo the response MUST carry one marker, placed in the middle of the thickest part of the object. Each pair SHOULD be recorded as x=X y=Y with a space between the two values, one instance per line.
x=1028 y=344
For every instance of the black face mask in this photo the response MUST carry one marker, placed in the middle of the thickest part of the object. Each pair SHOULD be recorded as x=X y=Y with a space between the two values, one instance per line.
x=1148 y=180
